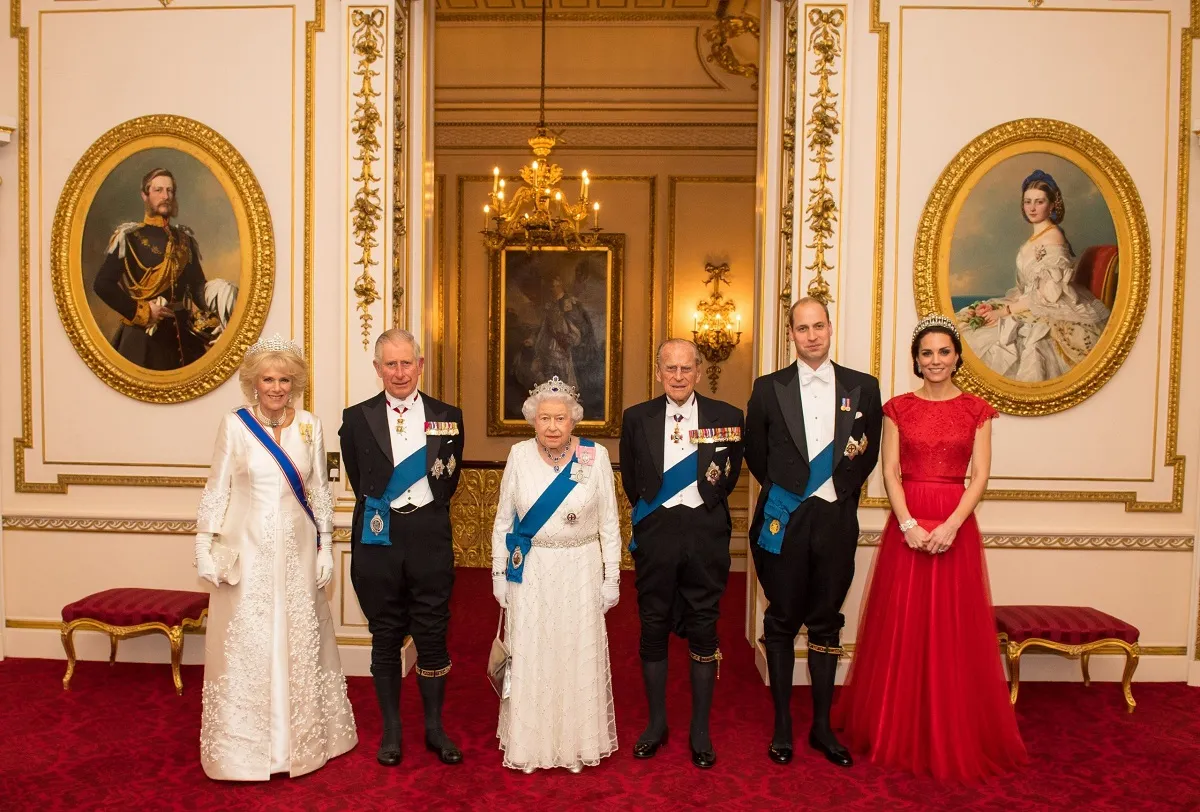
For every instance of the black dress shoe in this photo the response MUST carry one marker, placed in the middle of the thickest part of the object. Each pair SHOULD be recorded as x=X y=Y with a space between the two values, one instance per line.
x=780 y=753
x=704 y=759
x=648 y=749
x=446 y=751
x=389 y=750
x=834 y=753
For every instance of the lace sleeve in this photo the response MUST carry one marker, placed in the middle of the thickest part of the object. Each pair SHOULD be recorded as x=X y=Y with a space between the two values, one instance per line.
x=506 y=510
x=610 y=528
x=320 y=496
x=214 y=500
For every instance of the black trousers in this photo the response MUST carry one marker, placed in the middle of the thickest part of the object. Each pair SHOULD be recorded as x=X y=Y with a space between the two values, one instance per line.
x=682 y=556
x=405 y=588
x=807 y=582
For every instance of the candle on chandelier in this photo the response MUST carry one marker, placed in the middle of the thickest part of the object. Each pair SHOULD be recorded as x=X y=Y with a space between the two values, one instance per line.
x=739 y=322
x=486 y=211
x=495 y=179
x=533 y=166
x=695 y=321
x=595 y=215
x=586 y=182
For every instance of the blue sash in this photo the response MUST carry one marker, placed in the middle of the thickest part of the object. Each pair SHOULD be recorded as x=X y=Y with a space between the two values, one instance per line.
x=520 y=540
x=781 y=502
x=377 y=529
x=675 y=479
x=286 y=466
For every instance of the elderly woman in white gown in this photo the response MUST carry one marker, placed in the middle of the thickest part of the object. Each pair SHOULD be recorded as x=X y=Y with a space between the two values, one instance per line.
x=274 y=694
x=1048 y=323
x=556 y=555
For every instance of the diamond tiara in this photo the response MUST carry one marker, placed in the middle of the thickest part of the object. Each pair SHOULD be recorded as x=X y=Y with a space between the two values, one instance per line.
x=936 y=320
x=274 y=343
x=554 y=386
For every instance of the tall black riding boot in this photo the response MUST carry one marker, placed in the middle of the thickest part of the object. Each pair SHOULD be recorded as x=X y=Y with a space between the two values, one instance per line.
x=822 y=670
x=387 y=691
x=779 y=671
x=704 y=681
x=433 y=693
x=654 y=675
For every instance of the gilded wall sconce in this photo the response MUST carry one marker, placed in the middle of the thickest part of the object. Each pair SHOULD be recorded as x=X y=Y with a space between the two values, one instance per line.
x=716 y=325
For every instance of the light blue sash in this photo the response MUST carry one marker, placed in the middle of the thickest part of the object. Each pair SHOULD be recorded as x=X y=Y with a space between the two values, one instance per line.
x=679 y=476
x=286 y=466
x=377 y=529
x=781 y=502
x=520 y=540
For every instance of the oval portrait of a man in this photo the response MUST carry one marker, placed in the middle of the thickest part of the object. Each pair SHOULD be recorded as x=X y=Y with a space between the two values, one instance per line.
x=166 y=242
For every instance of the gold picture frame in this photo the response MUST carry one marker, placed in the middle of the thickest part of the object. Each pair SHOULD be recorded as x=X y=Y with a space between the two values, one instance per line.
x=536 y=292
x=230 y=228
x=1108 y=279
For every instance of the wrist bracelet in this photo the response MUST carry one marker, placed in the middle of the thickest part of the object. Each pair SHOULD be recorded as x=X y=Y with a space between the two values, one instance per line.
x=907 y=525
x=499 y=574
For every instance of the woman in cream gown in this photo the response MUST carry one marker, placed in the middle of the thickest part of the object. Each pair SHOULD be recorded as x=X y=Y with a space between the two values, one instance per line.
x=274 y=694
x=1048 y=323
x=560 y=711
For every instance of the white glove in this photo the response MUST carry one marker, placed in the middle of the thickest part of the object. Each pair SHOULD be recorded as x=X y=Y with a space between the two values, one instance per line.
x=610 y=593
x=500 y=590
x=324 y=560
x=206 y=568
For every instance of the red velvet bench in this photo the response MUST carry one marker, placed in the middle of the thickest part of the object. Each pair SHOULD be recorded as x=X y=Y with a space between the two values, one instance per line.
x=131 y=612
x=1073 y=631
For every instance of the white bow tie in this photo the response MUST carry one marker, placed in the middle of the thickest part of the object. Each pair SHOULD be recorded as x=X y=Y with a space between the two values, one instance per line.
x=824 y=373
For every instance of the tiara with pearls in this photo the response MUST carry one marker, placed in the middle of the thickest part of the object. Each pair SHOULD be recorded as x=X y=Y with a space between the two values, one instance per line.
x=935 y=320
x=554 y=386
x=275 y=343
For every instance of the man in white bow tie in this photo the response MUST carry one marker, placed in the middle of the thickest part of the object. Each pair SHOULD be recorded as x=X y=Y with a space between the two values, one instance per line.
x=812 y=439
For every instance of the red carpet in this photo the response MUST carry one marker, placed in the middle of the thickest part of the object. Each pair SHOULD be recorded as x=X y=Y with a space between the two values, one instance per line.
x=100 y=747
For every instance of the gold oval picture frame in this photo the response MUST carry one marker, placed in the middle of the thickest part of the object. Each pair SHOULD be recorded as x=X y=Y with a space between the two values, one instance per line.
x=113 y=261
x=1047 y=315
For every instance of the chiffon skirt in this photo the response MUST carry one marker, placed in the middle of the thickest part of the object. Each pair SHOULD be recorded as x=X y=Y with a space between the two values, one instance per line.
x=926 y=691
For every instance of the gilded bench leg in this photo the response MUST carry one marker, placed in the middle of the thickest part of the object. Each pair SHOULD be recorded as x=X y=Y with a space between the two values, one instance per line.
x=1131 y=664
x=1014 y=670
x=68 y=640
x=112 y=649
x=1083 y=664
x=175 y=635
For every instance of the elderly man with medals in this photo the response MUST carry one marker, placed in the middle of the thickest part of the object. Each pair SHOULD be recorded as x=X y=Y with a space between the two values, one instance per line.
x=681 y=455
x=812 y=439
x=402 y=451
x=556 y=568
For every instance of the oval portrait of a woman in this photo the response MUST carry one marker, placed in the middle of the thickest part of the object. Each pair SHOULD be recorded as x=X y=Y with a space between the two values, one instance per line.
x=1042 y=261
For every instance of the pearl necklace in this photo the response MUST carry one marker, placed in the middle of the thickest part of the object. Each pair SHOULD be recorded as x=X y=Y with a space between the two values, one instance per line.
x=271 y=424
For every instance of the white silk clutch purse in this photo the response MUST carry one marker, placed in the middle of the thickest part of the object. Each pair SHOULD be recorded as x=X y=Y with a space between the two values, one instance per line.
x=228 y=561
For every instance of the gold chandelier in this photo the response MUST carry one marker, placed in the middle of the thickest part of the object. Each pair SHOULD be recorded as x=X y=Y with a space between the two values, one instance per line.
x=539 y=213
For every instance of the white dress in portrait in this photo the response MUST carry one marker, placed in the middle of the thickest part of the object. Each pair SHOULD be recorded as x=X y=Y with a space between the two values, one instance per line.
x=274 y=693
x=560 y=712
x=1061 y=326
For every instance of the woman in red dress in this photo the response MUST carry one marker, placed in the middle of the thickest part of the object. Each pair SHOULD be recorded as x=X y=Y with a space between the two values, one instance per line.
x=926 y=691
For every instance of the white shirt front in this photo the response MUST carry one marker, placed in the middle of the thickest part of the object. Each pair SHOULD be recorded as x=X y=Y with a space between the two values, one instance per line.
x=406 y=442
x=819 y=404
x=673 y=452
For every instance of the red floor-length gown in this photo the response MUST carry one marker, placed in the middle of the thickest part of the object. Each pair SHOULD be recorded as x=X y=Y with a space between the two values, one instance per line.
x=926 y=690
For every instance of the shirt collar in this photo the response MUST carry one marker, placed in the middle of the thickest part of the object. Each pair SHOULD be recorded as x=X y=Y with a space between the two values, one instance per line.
x=405 y=403
x=826 y=365
x=685 y=409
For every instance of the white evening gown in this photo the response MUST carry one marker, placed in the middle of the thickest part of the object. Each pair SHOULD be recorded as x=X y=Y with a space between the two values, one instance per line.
x=274 y=693
x=560 y=712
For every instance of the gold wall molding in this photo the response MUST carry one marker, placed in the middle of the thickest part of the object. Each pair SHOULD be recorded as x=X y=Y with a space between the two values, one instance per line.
x=787 y=206
x=25 y=442
x=77 y=524
x=648 y=136
x=821 y=129
x=1173 y=544
x=400 y=96
x=883 y=31
x=368 y=43
x=729 y=28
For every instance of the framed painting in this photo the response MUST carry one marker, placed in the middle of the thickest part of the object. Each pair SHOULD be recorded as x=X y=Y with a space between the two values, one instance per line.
x=1035 y=242
x=556 y=311
x=163 y=258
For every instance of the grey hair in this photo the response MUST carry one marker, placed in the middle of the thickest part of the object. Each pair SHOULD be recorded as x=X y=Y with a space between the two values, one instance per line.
x=658 y=353
x=396 y=336
x=530 y=406
x=292 y=364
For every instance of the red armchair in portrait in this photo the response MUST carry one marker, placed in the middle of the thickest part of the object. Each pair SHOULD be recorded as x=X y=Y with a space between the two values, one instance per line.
x=1097 y=271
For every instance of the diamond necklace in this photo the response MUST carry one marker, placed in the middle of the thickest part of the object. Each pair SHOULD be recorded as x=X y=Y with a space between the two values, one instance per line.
x=556 y=462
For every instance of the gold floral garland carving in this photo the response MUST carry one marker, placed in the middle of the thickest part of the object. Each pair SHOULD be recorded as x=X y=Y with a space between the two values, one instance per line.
x=399 y=169
x=721 y=52
x=258 y=251
x=932 y=251
x=368 y=44
x=823 y=124
x=787 y=211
